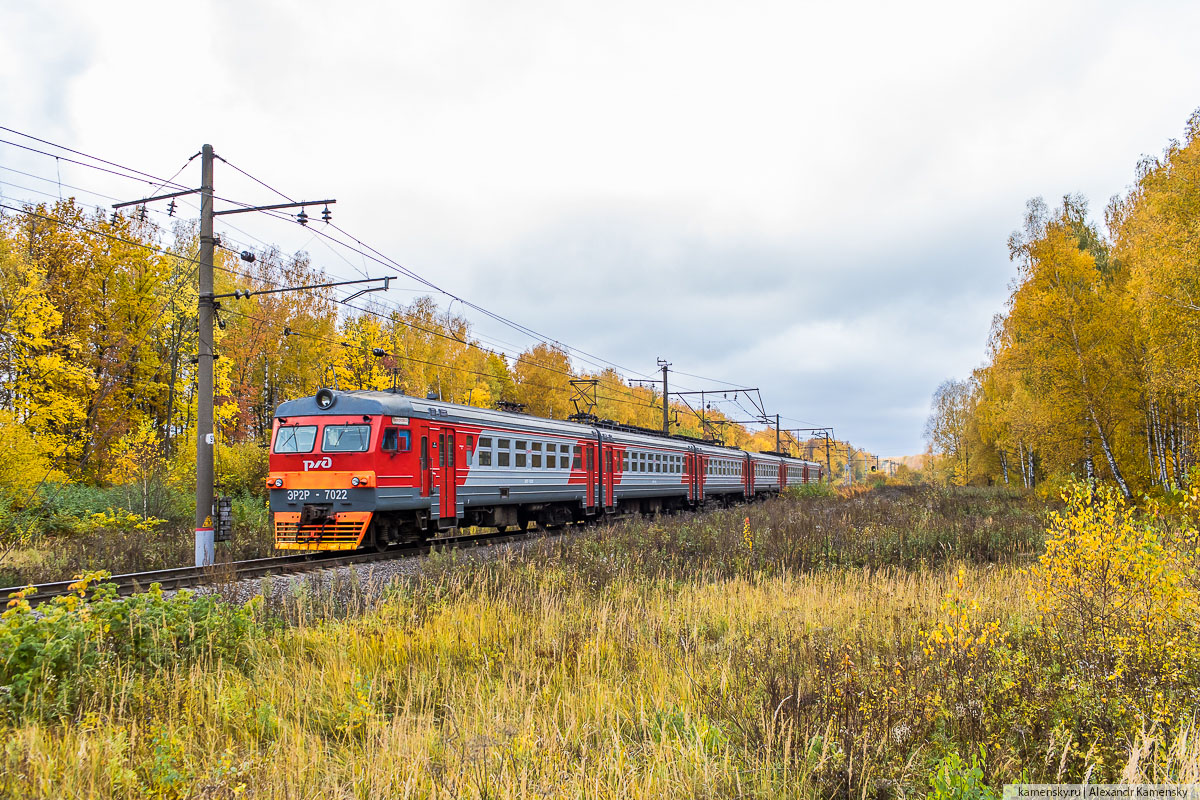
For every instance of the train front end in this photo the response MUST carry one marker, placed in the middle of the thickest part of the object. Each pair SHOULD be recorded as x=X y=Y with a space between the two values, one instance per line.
x=322 y=480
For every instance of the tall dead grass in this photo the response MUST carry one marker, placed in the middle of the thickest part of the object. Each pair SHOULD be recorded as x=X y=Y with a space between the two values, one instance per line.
x=823 y=647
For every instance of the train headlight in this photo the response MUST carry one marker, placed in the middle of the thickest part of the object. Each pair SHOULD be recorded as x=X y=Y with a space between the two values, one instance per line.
x=354 y=481
x=278 y=482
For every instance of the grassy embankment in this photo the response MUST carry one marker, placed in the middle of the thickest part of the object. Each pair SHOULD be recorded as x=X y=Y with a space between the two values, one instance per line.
x=67 y=529
x=816 y=646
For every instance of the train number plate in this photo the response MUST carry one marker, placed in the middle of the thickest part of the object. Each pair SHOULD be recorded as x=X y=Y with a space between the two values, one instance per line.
x=318 y=494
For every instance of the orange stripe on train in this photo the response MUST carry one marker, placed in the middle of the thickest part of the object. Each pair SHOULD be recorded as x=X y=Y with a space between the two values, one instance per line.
x=324 y=479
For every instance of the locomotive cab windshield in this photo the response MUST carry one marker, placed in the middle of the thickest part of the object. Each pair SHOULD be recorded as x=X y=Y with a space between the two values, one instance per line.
x=295 y=438
x=346 y=439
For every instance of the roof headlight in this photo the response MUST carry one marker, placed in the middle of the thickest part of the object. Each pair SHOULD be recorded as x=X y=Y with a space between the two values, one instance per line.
x=355 y=481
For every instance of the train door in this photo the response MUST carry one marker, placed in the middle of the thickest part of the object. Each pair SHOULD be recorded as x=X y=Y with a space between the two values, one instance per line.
x=783 y=468
x=443 y=470
x=688 y=473
x=805 y=478
x=589 y=469
x=608 y=462
x=424 y=466
x=693 y=468
x=748 y=476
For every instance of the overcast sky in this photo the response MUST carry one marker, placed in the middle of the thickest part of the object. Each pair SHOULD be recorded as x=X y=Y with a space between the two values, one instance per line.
x=810 y=198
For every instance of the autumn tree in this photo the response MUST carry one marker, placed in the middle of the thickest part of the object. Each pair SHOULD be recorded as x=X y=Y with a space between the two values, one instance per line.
x=43 y=385
x=949 y=427
x=1156 y=241
x=543 y=381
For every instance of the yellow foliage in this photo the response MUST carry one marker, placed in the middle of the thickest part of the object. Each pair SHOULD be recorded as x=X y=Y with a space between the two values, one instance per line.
x=1114 y=589
x=241 y=468
x=960 y=637
x=480 y=396
x=1093 y=366
x=138 y=454
x=41 y=382
x=119 y=520
x=24 y=464
x=543 y=378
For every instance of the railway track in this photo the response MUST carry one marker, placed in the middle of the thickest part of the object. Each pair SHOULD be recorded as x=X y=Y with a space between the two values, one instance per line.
x=187 y=577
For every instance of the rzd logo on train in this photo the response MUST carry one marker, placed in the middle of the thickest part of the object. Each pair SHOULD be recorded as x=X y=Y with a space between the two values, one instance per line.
x=320 y=463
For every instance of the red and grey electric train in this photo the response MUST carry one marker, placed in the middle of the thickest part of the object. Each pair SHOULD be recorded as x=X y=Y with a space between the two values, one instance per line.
x=367 y=469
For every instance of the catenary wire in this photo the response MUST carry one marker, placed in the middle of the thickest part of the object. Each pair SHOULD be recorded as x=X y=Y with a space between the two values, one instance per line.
x=378 y=256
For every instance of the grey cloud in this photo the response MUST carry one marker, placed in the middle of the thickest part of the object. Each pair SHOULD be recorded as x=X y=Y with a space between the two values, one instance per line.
x=813 y=199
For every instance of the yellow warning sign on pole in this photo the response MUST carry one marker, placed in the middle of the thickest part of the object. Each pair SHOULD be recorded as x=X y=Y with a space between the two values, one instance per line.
x=208 y=521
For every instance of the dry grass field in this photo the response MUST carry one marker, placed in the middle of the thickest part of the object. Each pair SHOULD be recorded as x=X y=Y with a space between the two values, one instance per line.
x=882 y=644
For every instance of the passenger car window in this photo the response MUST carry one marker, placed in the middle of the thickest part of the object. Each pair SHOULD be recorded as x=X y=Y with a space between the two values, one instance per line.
x=345 y=438
x=396 y=440
x=295 y=438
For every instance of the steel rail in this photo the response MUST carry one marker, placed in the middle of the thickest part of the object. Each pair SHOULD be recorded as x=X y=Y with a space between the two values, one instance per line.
x=230 y=571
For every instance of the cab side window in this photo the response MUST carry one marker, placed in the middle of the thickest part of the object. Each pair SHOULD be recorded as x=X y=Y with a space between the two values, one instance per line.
x=395 y=440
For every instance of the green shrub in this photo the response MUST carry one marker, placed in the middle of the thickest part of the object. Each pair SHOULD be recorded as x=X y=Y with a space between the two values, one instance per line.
x=75 y=648
x=956 y=780
x=816 y=489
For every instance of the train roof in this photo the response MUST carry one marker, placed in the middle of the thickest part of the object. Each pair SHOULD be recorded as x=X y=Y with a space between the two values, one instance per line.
x=378 y=403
